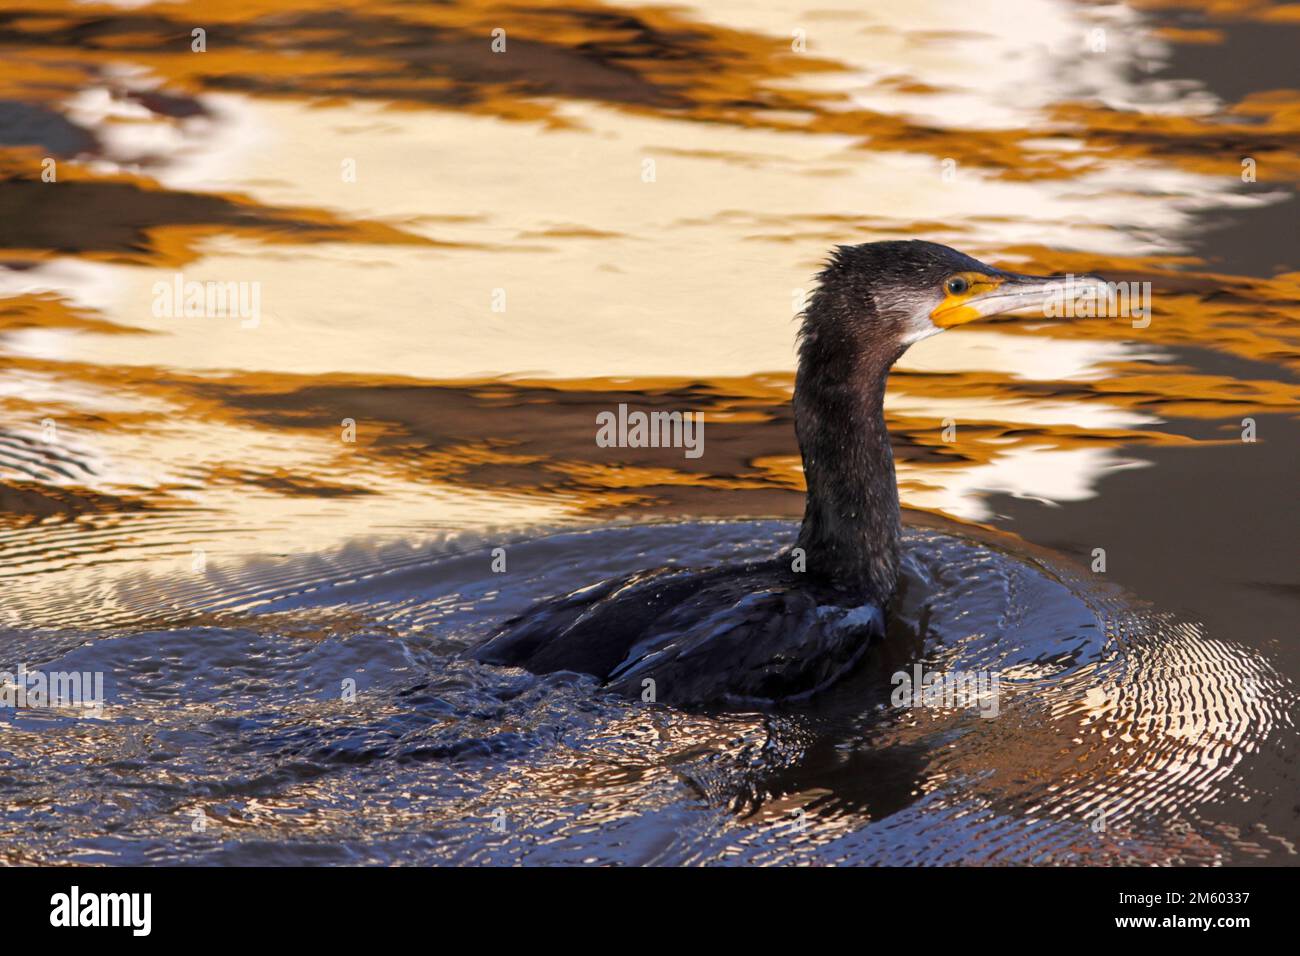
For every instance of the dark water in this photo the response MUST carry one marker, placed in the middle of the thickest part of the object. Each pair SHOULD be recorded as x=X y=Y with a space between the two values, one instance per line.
x=228 y=741
x=271 y=537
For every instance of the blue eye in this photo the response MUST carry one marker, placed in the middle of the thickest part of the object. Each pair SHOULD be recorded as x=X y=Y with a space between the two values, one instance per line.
x=956 y=285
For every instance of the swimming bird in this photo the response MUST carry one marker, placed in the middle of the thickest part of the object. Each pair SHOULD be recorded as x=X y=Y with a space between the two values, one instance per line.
x=780 y=630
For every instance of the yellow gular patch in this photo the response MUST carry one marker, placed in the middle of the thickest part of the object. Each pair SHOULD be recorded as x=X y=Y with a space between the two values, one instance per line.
x=956 y=309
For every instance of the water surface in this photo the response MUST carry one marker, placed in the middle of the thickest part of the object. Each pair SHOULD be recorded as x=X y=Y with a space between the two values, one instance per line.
x=464 y=255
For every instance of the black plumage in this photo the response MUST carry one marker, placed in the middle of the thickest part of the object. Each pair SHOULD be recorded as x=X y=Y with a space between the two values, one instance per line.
x=782 y=629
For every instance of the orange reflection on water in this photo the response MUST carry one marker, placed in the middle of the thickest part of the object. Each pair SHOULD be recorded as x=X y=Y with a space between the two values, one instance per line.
x=525 y=173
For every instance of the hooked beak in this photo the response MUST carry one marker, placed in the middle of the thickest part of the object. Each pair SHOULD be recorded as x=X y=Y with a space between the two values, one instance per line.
x=1001 y=292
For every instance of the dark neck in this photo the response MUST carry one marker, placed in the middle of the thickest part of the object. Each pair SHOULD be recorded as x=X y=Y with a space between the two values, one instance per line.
x=851 y=519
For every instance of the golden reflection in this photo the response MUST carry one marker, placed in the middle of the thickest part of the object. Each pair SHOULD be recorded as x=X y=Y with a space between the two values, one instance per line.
x=525 y=174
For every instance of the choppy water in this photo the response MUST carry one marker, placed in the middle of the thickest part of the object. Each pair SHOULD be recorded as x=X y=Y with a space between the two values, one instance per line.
x=462 y=257
x=1117 y=734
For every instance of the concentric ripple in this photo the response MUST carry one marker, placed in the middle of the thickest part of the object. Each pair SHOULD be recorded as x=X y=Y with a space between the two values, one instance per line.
x=323 y=716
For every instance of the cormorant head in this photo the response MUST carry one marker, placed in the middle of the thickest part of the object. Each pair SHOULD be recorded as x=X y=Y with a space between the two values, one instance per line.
x=889 y=295
x=872 y=302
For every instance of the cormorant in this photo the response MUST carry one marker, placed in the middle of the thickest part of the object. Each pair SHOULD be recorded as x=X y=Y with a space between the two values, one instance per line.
x=783 y=629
